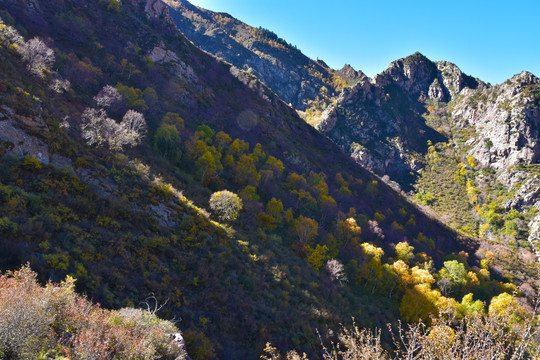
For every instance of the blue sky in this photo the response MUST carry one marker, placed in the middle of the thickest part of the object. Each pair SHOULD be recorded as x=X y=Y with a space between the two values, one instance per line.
x=489 y=39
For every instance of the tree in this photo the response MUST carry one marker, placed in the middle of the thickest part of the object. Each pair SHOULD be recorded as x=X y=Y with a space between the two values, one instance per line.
x=455 y=273
x=97 y=128
x=226 y=205
x=306 y=229
x=349 y=230
x=419 y=303
x=274 y=208
x=108 y=97
x=317 y=256
x=222 y=139
x=404 y=252
x=38 y=56
x=336 y=271
x=132 y=128
x=168 y=143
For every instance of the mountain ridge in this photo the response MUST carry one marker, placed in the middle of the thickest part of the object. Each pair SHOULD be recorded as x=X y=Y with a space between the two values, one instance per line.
x=397 y=122
x=130 y=221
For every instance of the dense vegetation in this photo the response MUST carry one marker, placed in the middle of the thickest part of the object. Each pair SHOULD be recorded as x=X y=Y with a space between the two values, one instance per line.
x=118 y=202
x=53 y=322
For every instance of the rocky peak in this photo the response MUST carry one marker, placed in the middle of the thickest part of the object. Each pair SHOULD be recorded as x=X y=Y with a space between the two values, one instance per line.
x=350 y=75
x=156 y=10
x=506 y=118
x=522 y=79
x=454 y=80
x=414 y=74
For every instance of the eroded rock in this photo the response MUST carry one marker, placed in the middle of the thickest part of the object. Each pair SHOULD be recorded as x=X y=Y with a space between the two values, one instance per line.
x=23 y=143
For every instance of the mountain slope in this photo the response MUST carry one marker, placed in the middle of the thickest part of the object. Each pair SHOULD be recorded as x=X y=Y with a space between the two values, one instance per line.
x=297 y=79
x=129 y=222
x=427 y=124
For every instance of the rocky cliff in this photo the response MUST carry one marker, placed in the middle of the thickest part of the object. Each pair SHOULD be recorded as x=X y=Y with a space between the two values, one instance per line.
x=391 y=123
x=401 y=122
x=297 y=79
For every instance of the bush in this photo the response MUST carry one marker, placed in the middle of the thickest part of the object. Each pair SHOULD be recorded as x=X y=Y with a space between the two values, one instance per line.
x=53 y=322
x=226 y=205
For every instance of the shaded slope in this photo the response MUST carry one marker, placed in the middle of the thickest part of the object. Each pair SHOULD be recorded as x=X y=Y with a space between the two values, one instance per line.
x=109 y=218
x=297 y=79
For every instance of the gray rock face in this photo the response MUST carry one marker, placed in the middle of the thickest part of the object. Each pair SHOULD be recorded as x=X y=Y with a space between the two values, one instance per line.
x=157 y=10
x=506 y=118
x=534 y=235
x=349 y=74
x=413 y=74
x=527 y=194
x=436 y=91
x=454 y=80
x=377 y=121
x=164 y=214
x=20 y=142
x=180 y=68
x=280 y=66
x=328 y=119
x=383 y=116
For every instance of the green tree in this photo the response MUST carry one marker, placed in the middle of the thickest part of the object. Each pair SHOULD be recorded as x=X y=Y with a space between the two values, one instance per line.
x=274 y=208
x=167 y=142
x=452 y=275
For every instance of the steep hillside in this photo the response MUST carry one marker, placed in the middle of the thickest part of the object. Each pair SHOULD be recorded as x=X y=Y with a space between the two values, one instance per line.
x=379 y=122
x=427 y=124
x=297 y=79
x=116 y=131
x=390 y=123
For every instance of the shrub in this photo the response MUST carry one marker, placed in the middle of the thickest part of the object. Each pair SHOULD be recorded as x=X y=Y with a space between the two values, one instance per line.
x=37 y=55
x=53 y=322
x=226 y=205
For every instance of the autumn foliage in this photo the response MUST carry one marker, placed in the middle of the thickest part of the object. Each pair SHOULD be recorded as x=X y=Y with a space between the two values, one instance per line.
x=54 y=322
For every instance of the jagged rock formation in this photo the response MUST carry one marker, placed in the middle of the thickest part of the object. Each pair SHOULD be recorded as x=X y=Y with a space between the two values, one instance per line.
x=383 y=116
x=506 y=120
x=279 y=65
x=15 y=136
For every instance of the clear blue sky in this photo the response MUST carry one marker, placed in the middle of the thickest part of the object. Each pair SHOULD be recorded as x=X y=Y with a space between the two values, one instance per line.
x=489 y=39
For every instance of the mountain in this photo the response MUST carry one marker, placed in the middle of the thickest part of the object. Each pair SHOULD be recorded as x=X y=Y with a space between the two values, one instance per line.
x=399 y=123
x=116 y=131
x=294 y=77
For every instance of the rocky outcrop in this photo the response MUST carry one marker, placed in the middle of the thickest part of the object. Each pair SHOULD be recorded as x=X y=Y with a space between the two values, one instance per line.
x=251 y=81
x=164 y=214
x=527 y=194
x=413 y=74
x=156 y=10
x=454 y=80
x=161 y=55
x=19 y=142
x=180 y=342
x=436 y=91
x=506 y=120
x=297 y=79
x=328 y=119
x=350 y=75
x=534 y=235
x=377 y=121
